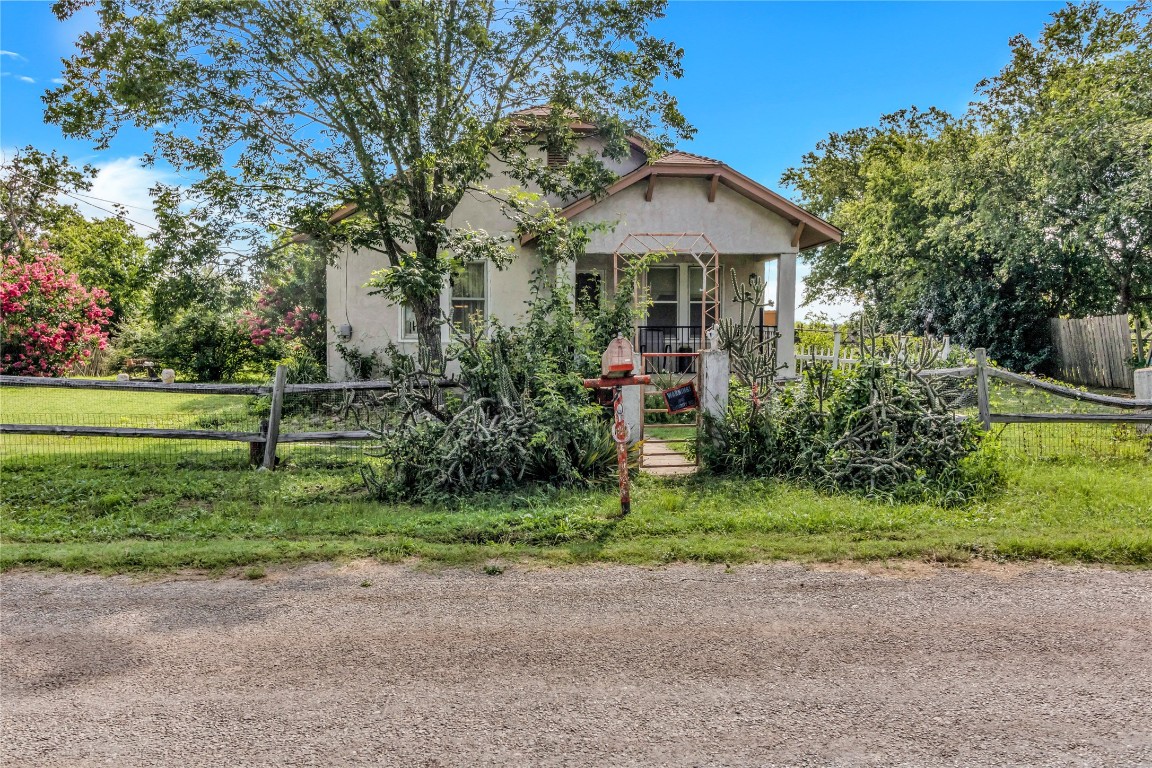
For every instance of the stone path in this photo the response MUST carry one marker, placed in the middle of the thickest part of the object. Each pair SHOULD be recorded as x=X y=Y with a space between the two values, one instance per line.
x=662 y=460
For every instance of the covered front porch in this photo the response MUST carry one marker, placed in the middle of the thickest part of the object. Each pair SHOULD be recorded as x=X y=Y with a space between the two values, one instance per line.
x=687 y=297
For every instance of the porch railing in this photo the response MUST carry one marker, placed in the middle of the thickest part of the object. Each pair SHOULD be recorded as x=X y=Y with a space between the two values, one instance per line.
x=680 y=338
x=672 y=340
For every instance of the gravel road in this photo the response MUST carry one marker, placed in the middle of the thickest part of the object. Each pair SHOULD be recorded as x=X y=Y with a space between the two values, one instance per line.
x=366 y=664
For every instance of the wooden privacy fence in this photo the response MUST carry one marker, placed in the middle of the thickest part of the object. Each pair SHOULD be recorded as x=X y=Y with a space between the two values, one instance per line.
x=984 y=372
x=1094 y=351
x=262 y=444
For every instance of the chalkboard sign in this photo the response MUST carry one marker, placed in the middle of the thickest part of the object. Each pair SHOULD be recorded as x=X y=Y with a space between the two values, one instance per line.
x=682 y=398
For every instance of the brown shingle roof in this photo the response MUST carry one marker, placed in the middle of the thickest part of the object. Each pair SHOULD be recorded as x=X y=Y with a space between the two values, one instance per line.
x=685 y=158
x=811 y=230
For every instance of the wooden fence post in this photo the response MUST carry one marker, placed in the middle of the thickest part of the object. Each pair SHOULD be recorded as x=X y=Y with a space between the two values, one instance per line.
x=835 y=347
x=982 y=388
x=256 y=450
x=947 y=348
x=278 y=385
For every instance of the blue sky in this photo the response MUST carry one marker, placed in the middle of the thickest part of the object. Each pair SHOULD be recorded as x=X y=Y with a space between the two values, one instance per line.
x=763 y=82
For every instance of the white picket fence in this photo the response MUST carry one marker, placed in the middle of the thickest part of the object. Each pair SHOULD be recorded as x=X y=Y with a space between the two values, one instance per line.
x=841 y=348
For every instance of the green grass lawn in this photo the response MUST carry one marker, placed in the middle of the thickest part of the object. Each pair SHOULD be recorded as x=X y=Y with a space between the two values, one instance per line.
x=120 y=505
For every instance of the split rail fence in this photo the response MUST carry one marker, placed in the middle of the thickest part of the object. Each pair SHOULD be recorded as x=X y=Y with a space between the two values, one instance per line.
x=262 y=444
x=984 y=373
x=45 y=420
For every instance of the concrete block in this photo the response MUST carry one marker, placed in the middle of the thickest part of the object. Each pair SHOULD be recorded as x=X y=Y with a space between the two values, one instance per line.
x=1142 y=377
x=715 y=373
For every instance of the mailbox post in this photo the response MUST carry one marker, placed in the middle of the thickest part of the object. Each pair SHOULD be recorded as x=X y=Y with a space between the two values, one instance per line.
x=616 y=372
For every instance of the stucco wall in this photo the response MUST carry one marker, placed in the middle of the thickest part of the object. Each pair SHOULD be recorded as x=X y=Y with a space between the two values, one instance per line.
x=745 y=234
x=733 y=223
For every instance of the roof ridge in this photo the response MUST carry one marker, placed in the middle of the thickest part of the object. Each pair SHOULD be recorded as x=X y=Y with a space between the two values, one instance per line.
x=692 y=155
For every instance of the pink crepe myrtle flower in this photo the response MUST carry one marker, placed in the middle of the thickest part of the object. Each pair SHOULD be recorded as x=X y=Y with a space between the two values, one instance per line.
x=48 y=315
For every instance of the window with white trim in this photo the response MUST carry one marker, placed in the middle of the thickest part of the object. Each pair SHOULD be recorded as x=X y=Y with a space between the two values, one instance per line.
x=408 y=330
x=470 y=294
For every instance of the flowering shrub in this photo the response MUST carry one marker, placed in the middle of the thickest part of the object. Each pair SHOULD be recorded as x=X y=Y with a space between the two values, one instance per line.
x=289 y=312
x=50 y=321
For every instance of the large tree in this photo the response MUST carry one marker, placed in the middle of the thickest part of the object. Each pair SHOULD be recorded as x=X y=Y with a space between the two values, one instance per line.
x=108 y=254
x=36 y=189
x=31 y=183
x=1034 y=205
x=1074 y=112
x=287 y=107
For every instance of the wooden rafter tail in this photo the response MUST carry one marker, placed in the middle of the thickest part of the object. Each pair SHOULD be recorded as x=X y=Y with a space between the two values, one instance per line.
x=798 y=234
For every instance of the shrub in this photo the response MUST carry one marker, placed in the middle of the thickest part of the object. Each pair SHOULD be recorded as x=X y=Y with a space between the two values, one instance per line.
x=522 y=415
x=878 y=429
x=50 y=321
x=203 y=345
x=289 y=307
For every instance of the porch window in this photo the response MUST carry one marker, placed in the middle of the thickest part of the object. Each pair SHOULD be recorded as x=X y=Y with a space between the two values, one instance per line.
x=663 y=284
x=470 y=294
x=696 y=298
x=589 y=290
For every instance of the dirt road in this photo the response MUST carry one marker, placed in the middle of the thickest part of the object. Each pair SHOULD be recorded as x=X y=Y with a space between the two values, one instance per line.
x=764 y=665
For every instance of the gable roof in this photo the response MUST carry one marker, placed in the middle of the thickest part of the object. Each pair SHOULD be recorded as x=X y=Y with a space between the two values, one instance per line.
x=812 y=231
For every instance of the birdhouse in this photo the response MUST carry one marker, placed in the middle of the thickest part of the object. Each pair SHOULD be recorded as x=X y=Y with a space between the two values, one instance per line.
x=619 y=359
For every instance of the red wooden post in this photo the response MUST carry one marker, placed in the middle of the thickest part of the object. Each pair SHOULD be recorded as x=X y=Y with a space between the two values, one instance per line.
x=620 y=428
x=620 y=434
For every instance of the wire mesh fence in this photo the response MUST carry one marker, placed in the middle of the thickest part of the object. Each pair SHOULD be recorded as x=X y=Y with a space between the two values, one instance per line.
x=1065 y=441
x=342 y=410
x=1049 y=440
x=303 y=412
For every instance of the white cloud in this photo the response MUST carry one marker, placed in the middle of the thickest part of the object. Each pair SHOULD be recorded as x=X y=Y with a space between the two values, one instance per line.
x=124 y=181
x=58 y=80
x=25 y=79
x=13 y=54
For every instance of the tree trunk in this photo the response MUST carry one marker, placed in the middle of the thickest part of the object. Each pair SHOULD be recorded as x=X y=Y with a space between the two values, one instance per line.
x=431 y=353
x=427 y=309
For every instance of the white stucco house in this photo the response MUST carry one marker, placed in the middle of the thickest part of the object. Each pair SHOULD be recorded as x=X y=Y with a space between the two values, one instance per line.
x=700 y=208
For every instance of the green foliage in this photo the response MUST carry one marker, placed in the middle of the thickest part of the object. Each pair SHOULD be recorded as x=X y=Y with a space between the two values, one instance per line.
x=202 y=345
x=107 y=254
x=29 y=186
x=1033 y=205
x=290 y=306
x=361 y=366
x=877 y=429
x=397 y=108
x=522 y=415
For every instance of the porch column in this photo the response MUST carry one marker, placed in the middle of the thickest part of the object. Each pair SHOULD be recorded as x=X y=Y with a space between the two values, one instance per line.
x=786 y=314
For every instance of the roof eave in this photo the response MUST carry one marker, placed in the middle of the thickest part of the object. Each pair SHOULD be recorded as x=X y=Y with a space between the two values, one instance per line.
x=819 y=232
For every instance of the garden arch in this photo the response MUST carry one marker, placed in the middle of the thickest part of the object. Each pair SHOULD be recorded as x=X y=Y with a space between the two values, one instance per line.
x=694 y=244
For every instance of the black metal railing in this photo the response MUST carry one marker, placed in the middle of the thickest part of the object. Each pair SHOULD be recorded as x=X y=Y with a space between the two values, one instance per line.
x=672 y=340
x=681 y=338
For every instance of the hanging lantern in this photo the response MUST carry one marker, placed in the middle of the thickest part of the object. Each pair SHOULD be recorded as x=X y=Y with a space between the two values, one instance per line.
x=619 y=359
